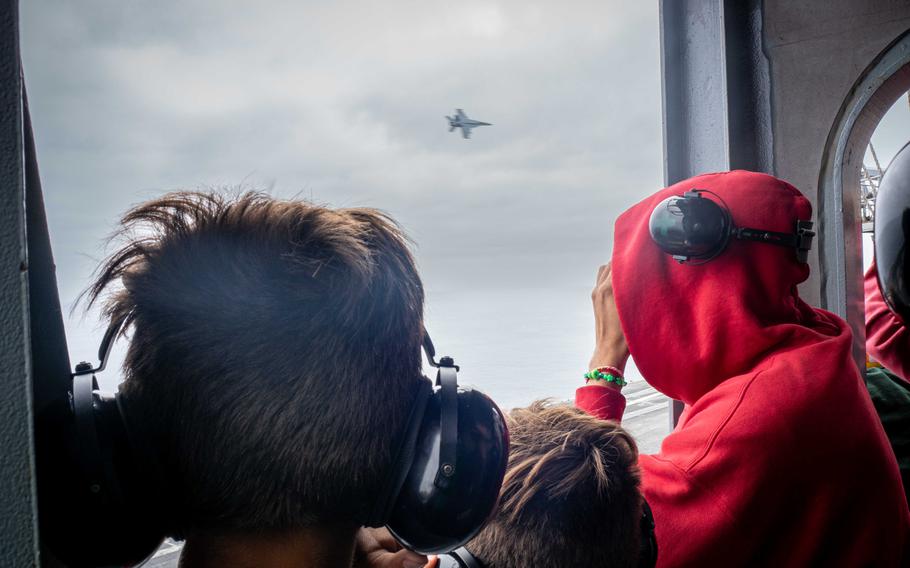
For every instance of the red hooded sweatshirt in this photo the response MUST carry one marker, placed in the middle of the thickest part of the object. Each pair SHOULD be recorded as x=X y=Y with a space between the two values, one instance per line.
x=779 y=458
x=887 y=339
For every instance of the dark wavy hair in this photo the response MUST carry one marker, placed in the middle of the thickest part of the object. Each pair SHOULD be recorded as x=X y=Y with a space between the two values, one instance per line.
x=275 y=352
x=571 y=494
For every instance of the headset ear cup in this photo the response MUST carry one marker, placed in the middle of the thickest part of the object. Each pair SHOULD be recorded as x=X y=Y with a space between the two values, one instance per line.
x=690 y=227
x=98 y=487
x=434 y=518
x=138 y=514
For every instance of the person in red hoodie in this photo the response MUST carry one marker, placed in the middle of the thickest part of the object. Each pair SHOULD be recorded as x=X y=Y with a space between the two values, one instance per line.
x=779 y=458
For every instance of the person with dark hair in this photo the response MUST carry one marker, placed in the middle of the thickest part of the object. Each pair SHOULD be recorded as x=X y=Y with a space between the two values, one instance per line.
x=779 y=458
x=274 y=357
x=570 y=497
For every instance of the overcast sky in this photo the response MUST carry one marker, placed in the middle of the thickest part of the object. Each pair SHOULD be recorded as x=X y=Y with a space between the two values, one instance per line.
x=344 y=103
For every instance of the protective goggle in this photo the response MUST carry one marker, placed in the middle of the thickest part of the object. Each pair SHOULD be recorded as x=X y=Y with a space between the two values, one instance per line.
x=692 y=227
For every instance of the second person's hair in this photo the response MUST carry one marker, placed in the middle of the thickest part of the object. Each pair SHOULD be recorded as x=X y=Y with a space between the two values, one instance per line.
x=570 y=497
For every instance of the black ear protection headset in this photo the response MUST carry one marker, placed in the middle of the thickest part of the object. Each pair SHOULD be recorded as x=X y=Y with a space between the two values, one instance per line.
x=104 y=483
x=447 y=475
x=439 y=492
x=462 y=557
x=692 y=227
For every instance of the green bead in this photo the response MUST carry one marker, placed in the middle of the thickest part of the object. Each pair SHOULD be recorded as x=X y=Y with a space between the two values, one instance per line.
x=596 y=375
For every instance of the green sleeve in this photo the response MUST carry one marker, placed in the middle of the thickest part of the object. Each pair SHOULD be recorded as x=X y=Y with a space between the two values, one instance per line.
x=891 y=397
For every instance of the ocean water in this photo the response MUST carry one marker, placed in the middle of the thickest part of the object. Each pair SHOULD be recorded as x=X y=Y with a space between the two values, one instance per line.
x=516 y=344
x=519 y=334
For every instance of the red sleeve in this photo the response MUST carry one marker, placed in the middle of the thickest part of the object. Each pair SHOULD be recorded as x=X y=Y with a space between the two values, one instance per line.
x=887 y=339
x=602 y=402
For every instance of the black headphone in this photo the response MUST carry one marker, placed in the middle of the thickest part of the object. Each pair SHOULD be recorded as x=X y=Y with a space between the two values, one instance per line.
x=442 y=487
x=449 y=469
x=99 y=479
x=462 y=557
x=692 y=227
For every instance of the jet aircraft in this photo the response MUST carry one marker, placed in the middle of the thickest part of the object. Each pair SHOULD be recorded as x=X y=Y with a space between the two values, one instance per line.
x=461 y=120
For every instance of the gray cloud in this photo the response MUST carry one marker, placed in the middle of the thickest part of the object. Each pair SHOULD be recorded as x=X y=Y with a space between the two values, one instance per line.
x=343 y=103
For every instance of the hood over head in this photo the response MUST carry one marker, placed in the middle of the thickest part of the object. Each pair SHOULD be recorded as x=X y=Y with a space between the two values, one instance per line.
x=691 y=326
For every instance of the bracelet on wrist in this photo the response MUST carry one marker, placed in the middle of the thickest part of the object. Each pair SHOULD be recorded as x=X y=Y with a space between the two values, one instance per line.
x=606 y=374
x=610 y=370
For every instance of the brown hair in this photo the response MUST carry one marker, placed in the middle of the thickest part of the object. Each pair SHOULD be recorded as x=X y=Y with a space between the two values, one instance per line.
x=571 y=493
x=275 y=352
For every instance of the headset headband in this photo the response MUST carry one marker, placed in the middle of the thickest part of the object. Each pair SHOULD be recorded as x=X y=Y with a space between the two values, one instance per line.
x=104 y=350
x=447 y=380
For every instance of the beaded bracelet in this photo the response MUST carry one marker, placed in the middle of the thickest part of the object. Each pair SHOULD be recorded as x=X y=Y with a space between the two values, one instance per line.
x=598 y=375
x=610 y=370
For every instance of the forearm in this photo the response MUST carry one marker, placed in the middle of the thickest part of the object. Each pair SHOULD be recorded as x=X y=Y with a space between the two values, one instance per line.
x=602 y=396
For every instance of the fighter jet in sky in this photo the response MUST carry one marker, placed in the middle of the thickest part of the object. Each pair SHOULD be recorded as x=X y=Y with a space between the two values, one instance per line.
x=461 y=120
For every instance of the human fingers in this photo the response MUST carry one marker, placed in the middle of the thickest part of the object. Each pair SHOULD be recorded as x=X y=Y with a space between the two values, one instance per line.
x=604 y=286
x=604 y=268
x=385 y=539
x=377 y=548
x=402 y=559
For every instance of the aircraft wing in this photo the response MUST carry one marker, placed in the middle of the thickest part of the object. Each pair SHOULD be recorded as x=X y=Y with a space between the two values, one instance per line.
x=465 y=131
x=460 y=113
